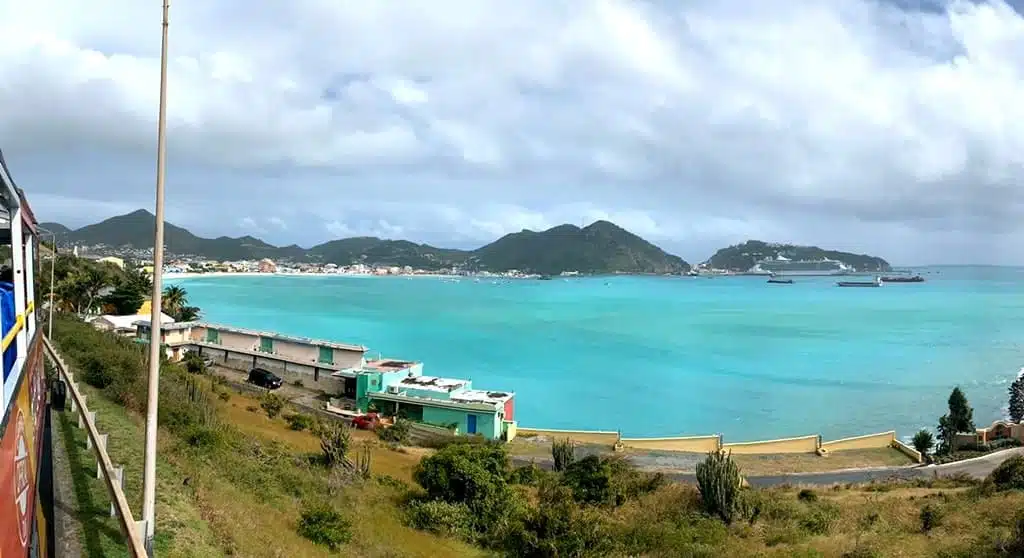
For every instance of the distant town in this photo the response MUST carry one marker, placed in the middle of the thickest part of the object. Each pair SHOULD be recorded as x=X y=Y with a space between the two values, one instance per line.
x=190 y=264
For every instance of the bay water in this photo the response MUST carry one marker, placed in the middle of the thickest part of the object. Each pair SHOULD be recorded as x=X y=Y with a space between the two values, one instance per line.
x=671 y=356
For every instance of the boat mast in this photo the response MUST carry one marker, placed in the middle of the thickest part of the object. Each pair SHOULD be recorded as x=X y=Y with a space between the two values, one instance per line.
x=149 y=476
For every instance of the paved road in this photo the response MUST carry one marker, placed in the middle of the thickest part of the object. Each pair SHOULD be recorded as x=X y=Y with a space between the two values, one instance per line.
x=978 y=468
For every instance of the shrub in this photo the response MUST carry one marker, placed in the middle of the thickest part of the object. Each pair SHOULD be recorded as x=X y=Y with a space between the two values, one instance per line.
x=527 y=475
x=271 y=403
x=563 y=452
x=325 y=526
x=443 y=518
x=335 y=442
x=194 y=363
x=224 y=396
x=558 y=527
x=923 y=442
x=252 y=408
x=931 y=517
x=719 y=482
x=398 y=433
x=807 y=495
x=297 y=383
x=820 y=518
x=1009 y=475
x=590 y=480
x=1004 y=443
x=298 y=421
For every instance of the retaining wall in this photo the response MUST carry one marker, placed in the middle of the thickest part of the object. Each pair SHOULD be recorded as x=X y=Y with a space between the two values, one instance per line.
x=696 y=444
x=288 y=371
x=908 y=451
x=868 y=441
x=801 y=444
x=581 y=436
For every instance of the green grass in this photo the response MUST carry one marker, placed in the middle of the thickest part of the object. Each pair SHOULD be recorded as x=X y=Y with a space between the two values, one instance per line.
x=180 y=529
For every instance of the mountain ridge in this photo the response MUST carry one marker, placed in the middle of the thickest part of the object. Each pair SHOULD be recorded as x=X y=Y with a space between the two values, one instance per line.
x=601 y=247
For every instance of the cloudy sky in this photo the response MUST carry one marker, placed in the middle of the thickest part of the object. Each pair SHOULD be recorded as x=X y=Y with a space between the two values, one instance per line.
x=887 y=126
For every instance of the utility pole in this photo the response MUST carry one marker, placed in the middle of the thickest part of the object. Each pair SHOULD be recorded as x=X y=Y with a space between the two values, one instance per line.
x=153 y=392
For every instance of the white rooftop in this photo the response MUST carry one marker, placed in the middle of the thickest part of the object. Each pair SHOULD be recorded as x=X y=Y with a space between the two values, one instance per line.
x=128 y=322
x=433 y=383
x=481 y=396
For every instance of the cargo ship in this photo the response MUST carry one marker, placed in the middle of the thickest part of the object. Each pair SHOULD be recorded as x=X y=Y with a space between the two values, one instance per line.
x=23 y=526
x=876 y=283
x=903 y=279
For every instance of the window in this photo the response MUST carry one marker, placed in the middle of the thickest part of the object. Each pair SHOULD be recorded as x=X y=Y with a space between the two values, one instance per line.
x=326 y=355
x=212 y=336
x=266 y=345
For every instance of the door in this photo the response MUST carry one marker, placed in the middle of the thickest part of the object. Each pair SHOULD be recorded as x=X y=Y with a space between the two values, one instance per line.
x=212 y=336
x=266 y=345
x=326 y=355
x=470 y=424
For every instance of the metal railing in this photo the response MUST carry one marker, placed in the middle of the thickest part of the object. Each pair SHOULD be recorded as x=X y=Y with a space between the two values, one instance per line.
x=105 y=469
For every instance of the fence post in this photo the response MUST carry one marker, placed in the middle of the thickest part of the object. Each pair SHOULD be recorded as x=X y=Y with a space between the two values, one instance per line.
x=99 y=464
x=119 y=479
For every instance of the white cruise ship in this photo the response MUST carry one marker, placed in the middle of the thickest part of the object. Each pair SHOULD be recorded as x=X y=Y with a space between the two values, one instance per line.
x=781 y=265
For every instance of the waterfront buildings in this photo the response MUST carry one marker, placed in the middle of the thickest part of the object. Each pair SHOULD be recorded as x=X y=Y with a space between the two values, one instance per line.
x=392 y=387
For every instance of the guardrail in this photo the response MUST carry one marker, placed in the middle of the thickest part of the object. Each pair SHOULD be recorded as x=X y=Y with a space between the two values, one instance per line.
x=105 y=469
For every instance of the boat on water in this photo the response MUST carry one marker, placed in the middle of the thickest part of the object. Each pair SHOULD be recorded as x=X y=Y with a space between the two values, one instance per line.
x=876 y=283
x=776 y=281
x=807 y=268
x=903 y=279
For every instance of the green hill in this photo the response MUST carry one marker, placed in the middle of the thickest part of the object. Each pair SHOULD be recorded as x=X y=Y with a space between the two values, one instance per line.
x=742 y=257
x=601 y=247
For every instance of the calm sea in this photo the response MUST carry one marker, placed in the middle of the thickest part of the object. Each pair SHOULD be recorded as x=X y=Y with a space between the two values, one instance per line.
x=674 y=356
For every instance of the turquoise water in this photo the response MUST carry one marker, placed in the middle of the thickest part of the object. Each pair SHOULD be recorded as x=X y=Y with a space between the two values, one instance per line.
x=674 y=356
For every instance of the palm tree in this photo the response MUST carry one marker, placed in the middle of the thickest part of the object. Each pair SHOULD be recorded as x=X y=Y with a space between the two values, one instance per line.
x=174 y=299
x=187 y=314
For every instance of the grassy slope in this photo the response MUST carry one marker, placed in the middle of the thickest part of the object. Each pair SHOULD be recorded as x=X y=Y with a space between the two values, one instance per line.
x=240 y=504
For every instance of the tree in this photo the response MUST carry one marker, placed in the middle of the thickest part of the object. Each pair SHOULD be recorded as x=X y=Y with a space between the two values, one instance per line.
x=173 y=300
x=960 y=413
x=187 y=314
x=1017 y=399
x=125 y=300
x=923 y=442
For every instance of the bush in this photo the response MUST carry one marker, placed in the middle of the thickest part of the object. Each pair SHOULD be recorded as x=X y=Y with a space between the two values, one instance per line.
x=271 y=403
x=558 y=527
x=527 y=475
x=398 y=433
x=297 y=383
x=563 y=452
x=807 y=495
x=224 y=396
x=325 y=526
x=252 y=408
x=931 y=517
x=194 y=363
x=1009 y=475
x=591 y=481
x=719 y=482
x=1004 y=443
x=443 y=518
x=819 y=519
x=298 y=421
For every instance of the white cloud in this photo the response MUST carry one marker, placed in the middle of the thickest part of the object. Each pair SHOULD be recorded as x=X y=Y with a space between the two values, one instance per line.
x=692 y=123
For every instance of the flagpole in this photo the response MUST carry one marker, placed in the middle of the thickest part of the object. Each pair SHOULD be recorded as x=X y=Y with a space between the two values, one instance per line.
x=149 y=477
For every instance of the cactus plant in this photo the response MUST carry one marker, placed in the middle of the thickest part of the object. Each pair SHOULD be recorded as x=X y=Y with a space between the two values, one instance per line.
x=719 y=481
x=564 y=453
x=335 y=442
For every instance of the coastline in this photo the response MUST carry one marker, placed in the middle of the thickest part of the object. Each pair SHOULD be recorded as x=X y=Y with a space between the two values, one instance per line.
x=212 y=274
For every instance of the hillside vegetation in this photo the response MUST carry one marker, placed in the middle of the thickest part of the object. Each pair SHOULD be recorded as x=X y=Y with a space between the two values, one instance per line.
x=601 y=247
x=245 y=477
x=742 y=257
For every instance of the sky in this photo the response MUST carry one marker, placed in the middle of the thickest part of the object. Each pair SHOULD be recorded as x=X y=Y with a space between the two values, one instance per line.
x=892 y=127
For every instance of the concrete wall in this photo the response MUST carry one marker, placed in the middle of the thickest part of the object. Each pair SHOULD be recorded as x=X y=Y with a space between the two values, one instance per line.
x=288 y=371
x=487 y=424
x=868 y=441
x=698 y=444
x=602 y=437
x=801 y=444
x=908 y=451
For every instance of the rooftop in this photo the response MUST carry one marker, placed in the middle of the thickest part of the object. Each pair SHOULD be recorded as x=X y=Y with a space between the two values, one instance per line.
x=388 y=365
x=433 y=383
x=128 y=322
x=482 y=396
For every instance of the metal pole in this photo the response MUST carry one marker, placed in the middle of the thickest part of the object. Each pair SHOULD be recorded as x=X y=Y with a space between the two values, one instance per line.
x=149 y=478
x=53 y=265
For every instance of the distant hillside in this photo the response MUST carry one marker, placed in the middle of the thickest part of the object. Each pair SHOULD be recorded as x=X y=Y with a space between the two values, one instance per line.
x=599 y=248
x=742 y=257
x=55 y=228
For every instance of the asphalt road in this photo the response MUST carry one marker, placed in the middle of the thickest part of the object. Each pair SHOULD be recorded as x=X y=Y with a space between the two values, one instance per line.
x=978 y=468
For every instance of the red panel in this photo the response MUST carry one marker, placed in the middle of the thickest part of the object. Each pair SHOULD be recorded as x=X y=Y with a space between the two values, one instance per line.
x=19 y=458
x=510 y=408
x=26 y=214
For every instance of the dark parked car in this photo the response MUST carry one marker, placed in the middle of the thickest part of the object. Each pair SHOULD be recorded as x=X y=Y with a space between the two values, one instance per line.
x=264 y=378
